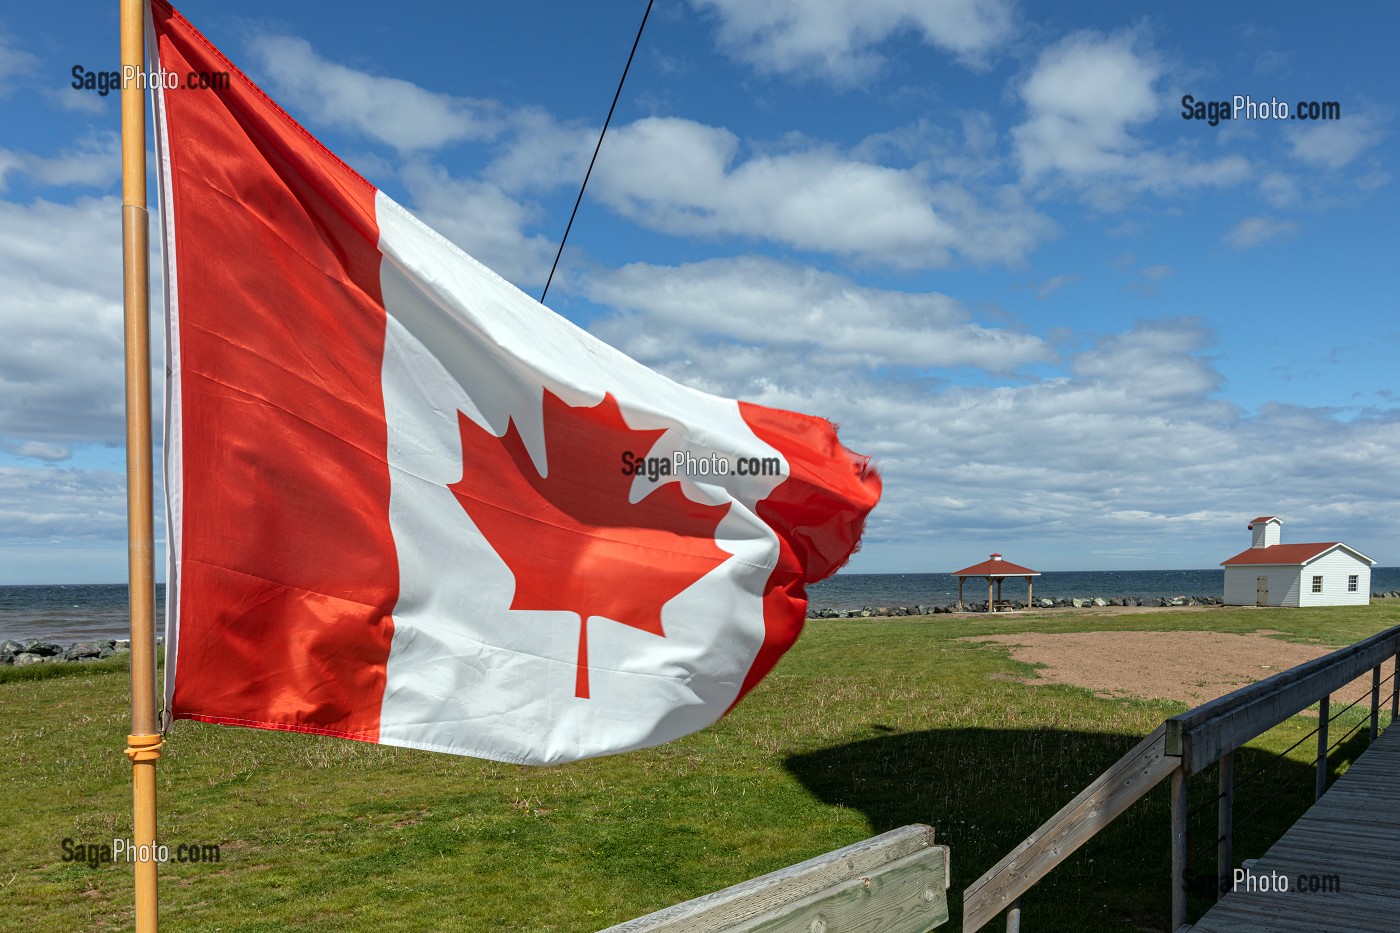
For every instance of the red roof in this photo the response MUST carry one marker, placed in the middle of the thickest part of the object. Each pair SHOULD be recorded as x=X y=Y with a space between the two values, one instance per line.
x=996 y=568
x=1264 y=518
x=1280 y=554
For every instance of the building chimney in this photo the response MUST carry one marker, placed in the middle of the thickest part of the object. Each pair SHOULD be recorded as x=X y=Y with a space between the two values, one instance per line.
x=1265 y=531
x=996 y=557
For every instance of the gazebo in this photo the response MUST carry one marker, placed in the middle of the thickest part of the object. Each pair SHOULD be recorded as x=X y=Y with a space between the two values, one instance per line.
x=995 y=570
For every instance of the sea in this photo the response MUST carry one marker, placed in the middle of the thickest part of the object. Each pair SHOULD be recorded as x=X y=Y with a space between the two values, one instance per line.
x=83 y=612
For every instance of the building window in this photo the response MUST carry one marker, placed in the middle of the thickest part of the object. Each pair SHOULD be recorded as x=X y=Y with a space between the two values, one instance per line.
x=1317 y=584
x=1351 y=583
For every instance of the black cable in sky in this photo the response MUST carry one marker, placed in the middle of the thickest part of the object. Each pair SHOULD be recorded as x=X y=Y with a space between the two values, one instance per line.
x=586 y=174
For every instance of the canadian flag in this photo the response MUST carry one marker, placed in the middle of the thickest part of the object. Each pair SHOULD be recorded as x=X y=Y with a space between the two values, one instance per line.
x=409 y=504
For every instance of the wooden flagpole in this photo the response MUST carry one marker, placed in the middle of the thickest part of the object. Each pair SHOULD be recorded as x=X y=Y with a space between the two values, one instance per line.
x=144 y=742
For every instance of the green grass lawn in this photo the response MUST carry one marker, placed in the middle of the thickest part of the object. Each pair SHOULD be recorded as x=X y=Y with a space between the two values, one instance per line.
x=866 y=725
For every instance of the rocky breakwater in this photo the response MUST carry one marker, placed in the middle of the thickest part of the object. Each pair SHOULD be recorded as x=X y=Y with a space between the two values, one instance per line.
x=33 y=651
x=1092 y=602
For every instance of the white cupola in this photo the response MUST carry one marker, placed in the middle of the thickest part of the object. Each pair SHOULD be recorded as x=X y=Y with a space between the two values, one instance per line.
x=1265 y=529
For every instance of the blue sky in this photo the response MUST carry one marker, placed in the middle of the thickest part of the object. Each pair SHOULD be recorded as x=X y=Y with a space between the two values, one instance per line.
x=1070 y=325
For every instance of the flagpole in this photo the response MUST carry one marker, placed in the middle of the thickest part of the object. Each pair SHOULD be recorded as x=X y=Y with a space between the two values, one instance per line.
x=144 y=742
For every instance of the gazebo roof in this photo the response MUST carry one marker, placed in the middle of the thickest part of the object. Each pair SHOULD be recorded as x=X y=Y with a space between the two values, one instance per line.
x=996 y=567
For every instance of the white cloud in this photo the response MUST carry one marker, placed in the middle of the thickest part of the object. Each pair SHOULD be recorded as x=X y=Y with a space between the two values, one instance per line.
x=1334 y=144
x=781 y=308
x=1085 y=99
x=481 y=219
x=838 y=39
x=40 y=450
x=686 y=178
x=1054 y=284
x=75 y=506
x=94 y=163
x=61 y=322
x=1279 y=189
x=391 y=110
x=1255 y=230
x=541 y=153
x=13 y=62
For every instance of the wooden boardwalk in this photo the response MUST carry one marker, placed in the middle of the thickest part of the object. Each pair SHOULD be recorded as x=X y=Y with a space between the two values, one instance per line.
x=1351 y=837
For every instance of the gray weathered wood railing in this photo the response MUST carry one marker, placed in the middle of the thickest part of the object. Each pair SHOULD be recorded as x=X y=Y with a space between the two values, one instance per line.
x=896 y=882
x=1179 y=748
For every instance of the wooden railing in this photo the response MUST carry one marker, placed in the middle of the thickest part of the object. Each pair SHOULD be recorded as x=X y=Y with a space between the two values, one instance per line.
x=1179 y=748
x=895 y=883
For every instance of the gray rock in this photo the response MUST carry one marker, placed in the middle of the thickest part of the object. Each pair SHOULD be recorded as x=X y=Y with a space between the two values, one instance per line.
x=83 y=650
x=43 y=649
x=25 y=658
x=1099 y=602
x=8 y=650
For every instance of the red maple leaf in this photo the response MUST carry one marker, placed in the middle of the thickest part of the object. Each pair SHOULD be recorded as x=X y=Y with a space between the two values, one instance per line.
x=572 y=539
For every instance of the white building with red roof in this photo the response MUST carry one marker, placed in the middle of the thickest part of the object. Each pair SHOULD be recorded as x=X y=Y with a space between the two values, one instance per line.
x=1269 y=573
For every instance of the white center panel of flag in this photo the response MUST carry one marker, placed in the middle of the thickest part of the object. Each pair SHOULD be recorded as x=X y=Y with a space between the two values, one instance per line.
x=468 y=674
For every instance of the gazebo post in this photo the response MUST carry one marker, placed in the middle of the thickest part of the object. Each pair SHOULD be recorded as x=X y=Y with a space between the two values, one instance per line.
x=990 y=604
x=1030 y=588
x=961 y=581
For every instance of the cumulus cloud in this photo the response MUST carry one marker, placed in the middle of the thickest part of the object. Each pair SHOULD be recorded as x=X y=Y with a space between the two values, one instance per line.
x=39 y=450
x=391 y=110
x=483 y=220
x=94 y=163
x=1251 y=231
x=13 y=62
x=1085 y=99
x=783 y=308
x=687 y=178
x=1335 y=143
x=839 y=39
x=61 y=322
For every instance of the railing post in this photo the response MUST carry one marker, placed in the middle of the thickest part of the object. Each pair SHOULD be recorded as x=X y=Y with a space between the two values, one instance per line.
x=1395 y=690
x=1225 y=825
x=1013 y=917
x=1323 y=715
x=1178 y=848
x=1375 y=702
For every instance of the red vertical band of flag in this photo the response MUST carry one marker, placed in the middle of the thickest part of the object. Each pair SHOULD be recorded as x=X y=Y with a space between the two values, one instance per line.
x=281 y=340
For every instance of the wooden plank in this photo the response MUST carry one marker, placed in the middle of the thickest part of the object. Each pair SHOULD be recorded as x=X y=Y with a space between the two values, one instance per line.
x=1350 y=834
x=1200 y=736
x=906 y=896
x=1118 y=788
x=762 y=899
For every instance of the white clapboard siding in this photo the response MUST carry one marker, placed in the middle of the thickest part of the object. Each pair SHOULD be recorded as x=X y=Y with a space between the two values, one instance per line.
x=1241 y=584
x=1334 y=567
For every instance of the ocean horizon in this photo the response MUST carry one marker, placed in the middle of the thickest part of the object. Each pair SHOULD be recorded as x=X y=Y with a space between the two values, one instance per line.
x=66 y=613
